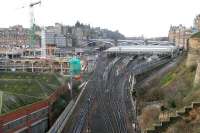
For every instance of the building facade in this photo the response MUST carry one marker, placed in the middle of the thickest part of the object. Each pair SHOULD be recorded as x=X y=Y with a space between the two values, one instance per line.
x=15 y=36
x=60 y=41
x=54 y=39
x=197 y=23
x=179 y=35
x=58 y=36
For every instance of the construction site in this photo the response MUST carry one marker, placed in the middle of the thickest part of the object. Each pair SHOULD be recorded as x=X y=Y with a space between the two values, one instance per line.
x=84 y=79
x=34 y=77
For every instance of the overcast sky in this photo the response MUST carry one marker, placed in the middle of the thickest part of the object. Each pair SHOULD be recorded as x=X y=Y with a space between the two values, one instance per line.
x=131 y=17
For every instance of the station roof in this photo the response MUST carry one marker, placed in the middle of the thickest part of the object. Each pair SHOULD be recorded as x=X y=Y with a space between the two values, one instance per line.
x=142 y=49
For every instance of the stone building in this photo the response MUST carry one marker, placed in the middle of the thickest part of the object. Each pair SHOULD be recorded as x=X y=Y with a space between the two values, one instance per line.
x=193 y=50
x=197 y=23
x=193 y=57
x=77 y=36
x=59 y=35
x=15 y=36
x=180 y=35
x=54 y=38
x=60 y=41
x=197 y=75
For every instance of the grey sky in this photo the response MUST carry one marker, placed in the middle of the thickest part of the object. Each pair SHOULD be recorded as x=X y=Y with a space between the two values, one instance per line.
x=131 y=17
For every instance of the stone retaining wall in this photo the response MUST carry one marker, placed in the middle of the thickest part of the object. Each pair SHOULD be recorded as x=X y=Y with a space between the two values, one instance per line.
x=186 y=112
x=197 y=76
x=194 y=52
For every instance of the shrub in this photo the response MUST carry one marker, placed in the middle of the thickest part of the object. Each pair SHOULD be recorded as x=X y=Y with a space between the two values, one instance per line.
x=167 y=79
x=172 y=104
x=193 y=68
x=163 y=108
x=148 y=116
x=156 y=94
x=182 y=127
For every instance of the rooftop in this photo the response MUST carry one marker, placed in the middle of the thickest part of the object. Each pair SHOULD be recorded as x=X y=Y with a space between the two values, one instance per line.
x=142 y=49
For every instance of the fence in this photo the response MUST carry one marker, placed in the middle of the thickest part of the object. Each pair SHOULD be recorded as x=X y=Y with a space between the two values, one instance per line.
x=56 y=126
x=60 y=123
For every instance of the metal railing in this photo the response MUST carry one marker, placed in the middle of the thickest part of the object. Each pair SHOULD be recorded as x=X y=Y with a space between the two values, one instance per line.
x=56 y=126
x=60 y=123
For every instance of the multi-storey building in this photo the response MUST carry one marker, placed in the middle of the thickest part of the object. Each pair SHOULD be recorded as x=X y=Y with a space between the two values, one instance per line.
x=54 y=39
x=197 y=23
x=60 y=41
x=180 y=35
x=77 y=35
x=17 y=36
x=14 y=36
x=58 y=35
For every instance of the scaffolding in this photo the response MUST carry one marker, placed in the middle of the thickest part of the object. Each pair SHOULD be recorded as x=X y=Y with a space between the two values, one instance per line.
x=35 y=65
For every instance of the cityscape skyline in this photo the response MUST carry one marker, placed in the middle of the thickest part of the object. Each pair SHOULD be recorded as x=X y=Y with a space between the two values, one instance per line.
x=100 y=66
x=131 y=18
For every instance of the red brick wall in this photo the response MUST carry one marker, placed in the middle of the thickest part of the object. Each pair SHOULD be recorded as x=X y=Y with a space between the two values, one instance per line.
x=31 y=108
x=20 y=113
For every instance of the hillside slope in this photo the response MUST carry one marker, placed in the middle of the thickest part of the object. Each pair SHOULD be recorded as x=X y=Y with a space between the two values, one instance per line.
x=166 y=94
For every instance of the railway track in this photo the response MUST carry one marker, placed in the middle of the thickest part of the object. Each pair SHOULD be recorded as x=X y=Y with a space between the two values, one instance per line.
x=113 y=107
x=106 y=105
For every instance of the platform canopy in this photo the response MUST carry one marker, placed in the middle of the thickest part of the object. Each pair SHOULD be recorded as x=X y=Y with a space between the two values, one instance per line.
x=143 y=49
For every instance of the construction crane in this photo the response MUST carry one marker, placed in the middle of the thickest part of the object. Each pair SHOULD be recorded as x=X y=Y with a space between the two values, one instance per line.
x=32 y=24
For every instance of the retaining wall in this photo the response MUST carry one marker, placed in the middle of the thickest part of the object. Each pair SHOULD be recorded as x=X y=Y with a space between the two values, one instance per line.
x=197 y=76
x=194 y=52
x=163 y=125
x=32 y=118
